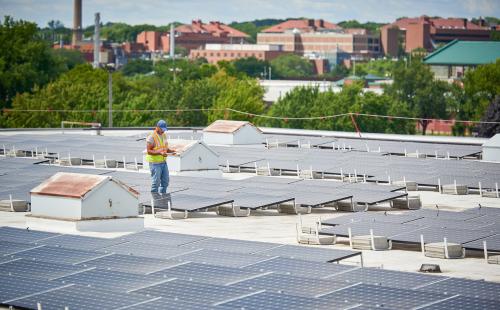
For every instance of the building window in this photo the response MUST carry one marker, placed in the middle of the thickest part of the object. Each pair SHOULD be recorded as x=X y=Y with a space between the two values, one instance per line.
x=218 y=54
x=232 y=54
x=211 y=54
x=225 y=54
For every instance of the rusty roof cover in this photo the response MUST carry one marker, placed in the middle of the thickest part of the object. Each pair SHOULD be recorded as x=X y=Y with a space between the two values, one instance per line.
x=180 y=146
x=224 y=126
x=72 y=185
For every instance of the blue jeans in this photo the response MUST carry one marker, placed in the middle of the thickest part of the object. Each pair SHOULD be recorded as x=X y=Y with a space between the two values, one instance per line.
x=159 y=177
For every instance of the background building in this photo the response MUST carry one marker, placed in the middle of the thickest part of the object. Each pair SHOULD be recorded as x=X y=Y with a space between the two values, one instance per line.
x=452 y=60
x=425 y=32
x=191 y=36
x=217 y=52
x=322 y=39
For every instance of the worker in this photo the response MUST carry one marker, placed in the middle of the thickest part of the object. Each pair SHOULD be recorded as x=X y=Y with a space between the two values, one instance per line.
x=157 y=151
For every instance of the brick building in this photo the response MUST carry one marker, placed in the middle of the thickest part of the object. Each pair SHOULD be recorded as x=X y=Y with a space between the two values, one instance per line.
x=192 y=36
x=425 y=32
x=217 y=52
x=322 y=39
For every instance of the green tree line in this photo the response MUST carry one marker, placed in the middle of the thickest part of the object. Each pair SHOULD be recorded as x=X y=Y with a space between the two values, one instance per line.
x=40 y=88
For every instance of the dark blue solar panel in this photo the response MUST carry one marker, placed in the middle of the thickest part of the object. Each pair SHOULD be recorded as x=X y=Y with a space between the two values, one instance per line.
x=12 y=287
x=22 y=235
x=386 y=297
x=465 y=287
x=208 y=273
x=129 y=263
x=38 y=269
x=299 y=268
x=57 y=255
x=192 y=291
x=80 y=242
x=273 y=301
x=111 y=280
x=7 y=247
x=80 y=297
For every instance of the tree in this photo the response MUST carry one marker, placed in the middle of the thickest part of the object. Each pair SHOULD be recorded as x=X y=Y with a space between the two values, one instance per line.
x=291 y=66
x=481 y=86
x=492 y=114
x=25 y=60
x=137 y=66
x=67 y=59
x=243 y=95
x=251 y=66
x=414 y=85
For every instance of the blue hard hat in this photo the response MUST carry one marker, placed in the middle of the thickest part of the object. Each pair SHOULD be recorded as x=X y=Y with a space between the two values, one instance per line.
x=162 y=124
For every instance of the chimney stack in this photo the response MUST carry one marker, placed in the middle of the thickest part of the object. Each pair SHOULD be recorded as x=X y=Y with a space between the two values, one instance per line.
x=97 y=40
x=77 y=22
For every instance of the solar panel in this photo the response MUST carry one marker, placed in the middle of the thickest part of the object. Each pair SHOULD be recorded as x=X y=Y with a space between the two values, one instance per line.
x=7 y=248
x=183 y=202
x=23 y=235
x=189 y=290
x=163 y=238
x=309 y=253
x=79 y=242
x=484 y=211
x=383 y=277
x=232 y=245
x=449 y=223
x=291 y=285
x=437 y=234
x=147 y=250
x=38 y=269
x=273 y=301
x=12 y=287
x=450 y=215
x=363 y=228
x=111 y=280
x=173 y=304
x=219 y=258
x=407 y=217
x=79 y=297
x=465 y=287
x=205 y=273
x=463 y=303
x=299 y=268
x=492 y=244
x=386 y=297
x=129 y=263
x=57 y=255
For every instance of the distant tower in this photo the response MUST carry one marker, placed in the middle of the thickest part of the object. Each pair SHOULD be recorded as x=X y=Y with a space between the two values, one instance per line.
x=97 y=40
x=77 y=22
x=172 y=40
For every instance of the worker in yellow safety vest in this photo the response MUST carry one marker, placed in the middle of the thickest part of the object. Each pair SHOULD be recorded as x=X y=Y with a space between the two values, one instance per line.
x=157 y=151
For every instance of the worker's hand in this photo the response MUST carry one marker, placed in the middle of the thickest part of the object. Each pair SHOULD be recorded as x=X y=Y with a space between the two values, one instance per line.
x=164 y=154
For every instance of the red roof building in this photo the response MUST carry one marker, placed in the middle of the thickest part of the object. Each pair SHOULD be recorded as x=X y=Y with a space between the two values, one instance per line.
x=192 y=36
x=425 y=32
x=303 y=25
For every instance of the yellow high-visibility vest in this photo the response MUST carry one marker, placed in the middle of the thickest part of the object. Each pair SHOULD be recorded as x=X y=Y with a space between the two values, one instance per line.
x=160 y=144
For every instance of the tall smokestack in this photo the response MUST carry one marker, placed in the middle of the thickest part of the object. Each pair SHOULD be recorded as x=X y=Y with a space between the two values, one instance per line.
x=172 y=40
x=77 y=22
x=97 y=40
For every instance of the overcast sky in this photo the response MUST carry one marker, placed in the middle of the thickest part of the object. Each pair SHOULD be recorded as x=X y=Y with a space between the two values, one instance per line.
x=161 y=12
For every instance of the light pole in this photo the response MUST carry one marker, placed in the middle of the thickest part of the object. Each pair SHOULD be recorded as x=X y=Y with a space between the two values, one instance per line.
x=110 y=68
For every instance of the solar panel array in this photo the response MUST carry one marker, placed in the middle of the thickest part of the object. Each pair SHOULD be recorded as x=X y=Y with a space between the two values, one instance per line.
x=470 y=228
x=19 y=176
x=358 y=158
x=272 y=276
x=372 y=145
x=376 y=167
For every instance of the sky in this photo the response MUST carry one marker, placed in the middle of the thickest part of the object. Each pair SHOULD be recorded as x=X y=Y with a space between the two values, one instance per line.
x=162 y=12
